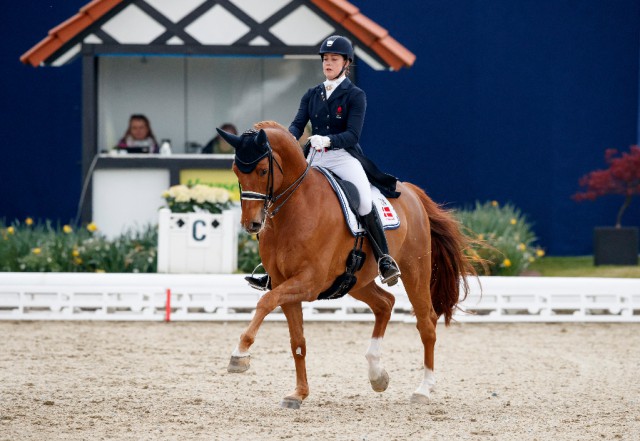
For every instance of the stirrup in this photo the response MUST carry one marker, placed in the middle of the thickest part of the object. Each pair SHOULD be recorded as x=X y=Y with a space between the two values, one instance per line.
x=392 y=278
x=260 y=283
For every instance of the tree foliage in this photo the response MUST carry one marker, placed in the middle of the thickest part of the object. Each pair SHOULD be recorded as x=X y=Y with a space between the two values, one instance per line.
x=621 y=178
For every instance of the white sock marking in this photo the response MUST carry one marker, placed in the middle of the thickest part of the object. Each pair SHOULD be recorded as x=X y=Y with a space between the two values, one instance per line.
x=237 y=353
x=373 y=357
x=428 y=383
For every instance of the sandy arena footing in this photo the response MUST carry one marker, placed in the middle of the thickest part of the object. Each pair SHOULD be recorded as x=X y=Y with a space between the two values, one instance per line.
x=156 y=381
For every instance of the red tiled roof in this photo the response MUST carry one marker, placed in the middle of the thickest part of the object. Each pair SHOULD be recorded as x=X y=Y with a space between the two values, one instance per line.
x=67 y=30
x=368 y=32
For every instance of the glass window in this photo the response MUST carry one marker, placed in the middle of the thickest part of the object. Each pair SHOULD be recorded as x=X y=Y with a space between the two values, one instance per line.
x=185 y=99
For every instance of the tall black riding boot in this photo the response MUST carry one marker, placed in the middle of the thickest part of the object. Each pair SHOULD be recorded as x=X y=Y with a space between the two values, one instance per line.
x=262 y=283
x=388 y=268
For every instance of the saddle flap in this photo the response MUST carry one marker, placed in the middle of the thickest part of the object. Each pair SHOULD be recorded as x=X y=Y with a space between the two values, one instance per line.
x=386 y=212
x=350 y=191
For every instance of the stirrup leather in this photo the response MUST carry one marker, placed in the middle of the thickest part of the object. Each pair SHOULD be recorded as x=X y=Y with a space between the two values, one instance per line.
x=392 y=278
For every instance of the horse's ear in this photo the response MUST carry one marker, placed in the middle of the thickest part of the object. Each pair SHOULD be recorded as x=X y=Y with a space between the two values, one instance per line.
x=234 y=140
x=261 y=139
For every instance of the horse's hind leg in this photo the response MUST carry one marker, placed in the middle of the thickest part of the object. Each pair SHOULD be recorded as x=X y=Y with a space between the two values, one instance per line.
x=416 y=280
x=428 y=335
x=293 y=312
x=381 y=303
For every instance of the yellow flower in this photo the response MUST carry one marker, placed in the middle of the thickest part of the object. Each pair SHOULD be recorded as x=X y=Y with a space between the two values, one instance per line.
x=36 y=251
x=494 y=203
x=506 y=263
x=532 y=259
x=11 y=230
x=92 y=227
x=522 y=247
x=75 y=252
x=100 y=271
x=480 y=236
x=28 y=221
x=67 y=229
x=77 y=261
x=513 y=221
x=539 y=252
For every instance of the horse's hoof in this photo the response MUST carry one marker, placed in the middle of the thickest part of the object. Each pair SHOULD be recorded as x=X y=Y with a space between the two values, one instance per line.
x=381 y=383
x=290 y=403
x=239 y=364
x=420 y=398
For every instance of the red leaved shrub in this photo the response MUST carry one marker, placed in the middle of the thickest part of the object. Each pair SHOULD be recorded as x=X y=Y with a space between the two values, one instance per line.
x=622 y=177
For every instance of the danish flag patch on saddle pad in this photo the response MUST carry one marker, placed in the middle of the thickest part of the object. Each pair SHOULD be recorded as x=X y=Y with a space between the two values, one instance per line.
x=386 y=212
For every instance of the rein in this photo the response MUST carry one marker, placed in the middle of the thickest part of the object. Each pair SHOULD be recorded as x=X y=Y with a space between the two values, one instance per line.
x=269 y=199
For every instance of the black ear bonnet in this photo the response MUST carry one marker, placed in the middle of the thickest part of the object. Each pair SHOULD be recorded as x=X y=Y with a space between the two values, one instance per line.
x=251 y=147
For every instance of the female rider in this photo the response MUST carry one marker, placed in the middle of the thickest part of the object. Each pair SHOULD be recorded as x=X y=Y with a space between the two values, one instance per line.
x=336 y=109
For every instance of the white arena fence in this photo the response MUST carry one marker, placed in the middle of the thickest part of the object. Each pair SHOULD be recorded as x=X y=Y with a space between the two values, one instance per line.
x=199 y=297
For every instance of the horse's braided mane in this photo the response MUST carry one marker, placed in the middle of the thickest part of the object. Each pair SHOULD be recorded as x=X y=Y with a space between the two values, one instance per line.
x=266 y=124
x=283 y=132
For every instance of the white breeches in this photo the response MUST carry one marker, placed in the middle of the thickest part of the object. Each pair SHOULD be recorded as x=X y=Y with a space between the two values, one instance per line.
x=348 y=168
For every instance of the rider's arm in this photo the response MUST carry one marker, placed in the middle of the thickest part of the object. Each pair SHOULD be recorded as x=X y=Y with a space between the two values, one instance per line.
x=302 y=117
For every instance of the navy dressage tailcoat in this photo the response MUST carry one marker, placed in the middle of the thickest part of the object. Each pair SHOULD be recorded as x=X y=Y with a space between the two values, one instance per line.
x=341 y=118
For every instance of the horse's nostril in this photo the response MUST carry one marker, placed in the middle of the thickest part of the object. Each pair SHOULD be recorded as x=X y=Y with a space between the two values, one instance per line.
x=254 y=226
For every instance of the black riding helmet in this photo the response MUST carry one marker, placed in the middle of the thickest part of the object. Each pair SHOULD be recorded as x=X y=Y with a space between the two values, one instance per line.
x=337 y=44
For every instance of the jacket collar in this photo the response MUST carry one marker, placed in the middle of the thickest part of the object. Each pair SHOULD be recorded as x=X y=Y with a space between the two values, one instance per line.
x=341 y=89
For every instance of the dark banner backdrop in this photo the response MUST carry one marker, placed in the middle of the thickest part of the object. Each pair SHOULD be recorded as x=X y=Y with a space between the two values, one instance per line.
x=507 y=101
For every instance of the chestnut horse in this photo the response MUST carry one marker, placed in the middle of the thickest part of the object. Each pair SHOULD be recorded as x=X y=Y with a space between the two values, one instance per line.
x=304 y=243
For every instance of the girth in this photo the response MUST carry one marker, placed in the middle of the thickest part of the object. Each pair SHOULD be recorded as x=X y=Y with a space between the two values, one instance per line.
x=347 y=280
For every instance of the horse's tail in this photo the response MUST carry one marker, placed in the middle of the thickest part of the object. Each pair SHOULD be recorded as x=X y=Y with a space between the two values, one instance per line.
x=449 y=263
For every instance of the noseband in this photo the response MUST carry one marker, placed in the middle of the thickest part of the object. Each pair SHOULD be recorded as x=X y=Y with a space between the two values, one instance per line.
x=269 y=199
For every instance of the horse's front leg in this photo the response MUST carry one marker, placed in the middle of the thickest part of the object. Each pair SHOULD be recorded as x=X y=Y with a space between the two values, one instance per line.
x=288 y=292
x=293 y=312
x=240 y=357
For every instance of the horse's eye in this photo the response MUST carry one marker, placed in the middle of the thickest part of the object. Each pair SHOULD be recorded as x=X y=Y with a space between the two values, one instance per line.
x=263 y=172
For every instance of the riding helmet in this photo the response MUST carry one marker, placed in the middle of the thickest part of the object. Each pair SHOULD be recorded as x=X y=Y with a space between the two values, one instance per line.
x=337 y=44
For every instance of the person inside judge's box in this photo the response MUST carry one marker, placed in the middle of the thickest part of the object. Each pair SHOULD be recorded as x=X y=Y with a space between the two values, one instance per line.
x=139 y=137
x=218 y=144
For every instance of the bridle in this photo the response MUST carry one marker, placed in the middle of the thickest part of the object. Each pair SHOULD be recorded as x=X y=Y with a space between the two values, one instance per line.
x=269 y=199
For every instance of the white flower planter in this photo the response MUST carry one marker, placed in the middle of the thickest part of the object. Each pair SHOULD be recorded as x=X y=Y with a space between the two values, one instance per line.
x=197 y=242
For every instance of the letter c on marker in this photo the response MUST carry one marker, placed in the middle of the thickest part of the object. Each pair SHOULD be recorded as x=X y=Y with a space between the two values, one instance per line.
x=194 y=231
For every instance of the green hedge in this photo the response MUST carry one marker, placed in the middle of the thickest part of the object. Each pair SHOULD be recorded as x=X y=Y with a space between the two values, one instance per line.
x=502 y=236
x=248 y=255
x=44 y=247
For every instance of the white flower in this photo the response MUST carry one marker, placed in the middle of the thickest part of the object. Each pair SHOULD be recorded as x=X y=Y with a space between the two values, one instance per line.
x=200 y=193
x=197 y=196
x=219 y=195
x=180 y=193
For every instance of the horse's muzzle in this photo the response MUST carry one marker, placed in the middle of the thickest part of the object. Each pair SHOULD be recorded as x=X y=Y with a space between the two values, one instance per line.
x=253 y=227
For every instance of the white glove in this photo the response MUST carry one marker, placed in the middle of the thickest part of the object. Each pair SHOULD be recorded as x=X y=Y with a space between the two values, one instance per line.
x=319 y=142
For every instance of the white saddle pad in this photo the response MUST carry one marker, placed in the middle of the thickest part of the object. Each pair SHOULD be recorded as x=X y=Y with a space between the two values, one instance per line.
x=386 y=212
